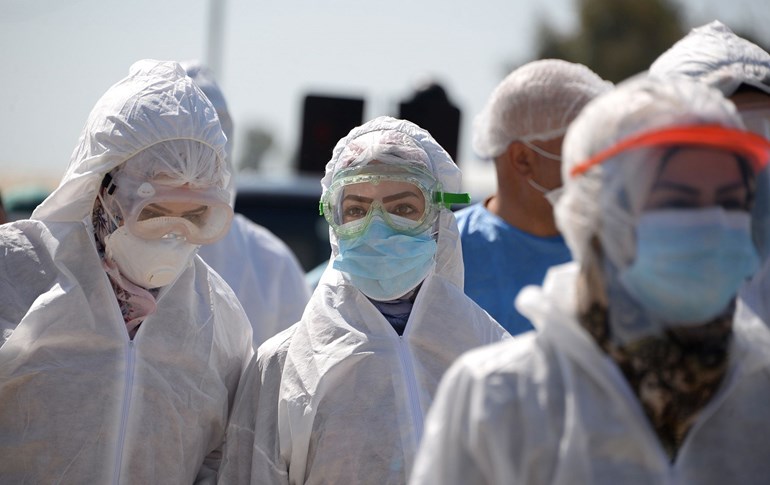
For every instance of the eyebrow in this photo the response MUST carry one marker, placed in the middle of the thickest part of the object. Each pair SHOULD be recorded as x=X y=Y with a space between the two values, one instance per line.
x=725 y=189
x=357 y=198
x=386 y=199
x=675 y=186
x=400 y=195
x=198 y=210
x=731 y=188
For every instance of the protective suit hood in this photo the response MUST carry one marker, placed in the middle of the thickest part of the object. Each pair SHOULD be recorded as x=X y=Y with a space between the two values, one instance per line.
x=716 y=56
x=127 y=119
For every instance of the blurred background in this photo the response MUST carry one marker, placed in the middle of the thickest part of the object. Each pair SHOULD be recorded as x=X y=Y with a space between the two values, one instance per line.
x=298 y=74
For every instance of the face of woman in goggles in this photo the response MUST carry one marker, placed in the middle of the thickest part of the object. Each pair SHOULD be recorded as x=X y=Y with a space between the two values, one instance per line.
x=164 y=216
x=401 y=199
x=153 y=210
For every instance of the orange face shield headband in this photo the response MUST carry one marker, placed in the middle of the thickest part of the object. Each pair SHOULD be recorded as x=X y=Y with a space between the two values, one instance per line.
x=745 y=143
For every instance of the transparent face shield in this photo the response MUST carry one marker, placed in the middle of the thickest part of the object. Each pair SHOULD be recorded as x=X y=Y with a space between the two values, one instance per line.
x=153 y=210
x=406 y=198
x=626 y=196
x=748 y=144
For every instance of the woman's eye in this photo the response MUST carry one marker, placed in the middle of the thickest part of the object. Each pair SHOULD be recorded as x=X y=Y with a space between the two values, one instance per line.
x=404 y=210
x=194 y=218
x=681 y=204
x=733 y=204
x=197 y=216
x=149 y=214
x=673 y=203
x=354 y=212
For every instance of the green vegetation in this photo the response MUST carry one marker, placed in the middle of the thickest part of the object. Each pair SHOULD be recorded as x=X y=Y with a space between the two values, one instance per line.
x=616 y=38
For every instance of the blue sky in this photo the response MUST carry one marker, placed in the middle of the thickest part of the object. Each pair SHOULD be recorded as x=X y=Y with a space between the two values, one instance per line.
x=59 y=56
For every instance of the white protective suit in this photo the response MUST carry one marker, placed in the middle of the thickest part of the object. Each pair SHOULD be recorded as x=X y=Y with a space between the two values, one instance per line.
x=81 y=402
x=340 y=397
x=552 y=407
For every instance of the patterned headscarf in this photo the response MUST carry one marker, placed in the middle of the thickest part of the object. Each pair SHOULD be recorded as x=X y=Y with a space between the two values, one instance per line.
x=674 y=375
x=136 y=303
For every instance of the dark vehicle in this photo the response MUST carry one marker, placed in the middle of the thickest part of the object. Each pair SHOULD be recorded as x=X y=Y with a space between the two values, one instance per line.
x=288 y=207
x=19 y=202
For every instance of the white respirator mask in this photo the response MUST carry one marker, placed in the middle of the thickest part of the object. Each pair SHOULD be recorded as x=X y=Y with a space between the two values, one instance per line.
x=149 y=263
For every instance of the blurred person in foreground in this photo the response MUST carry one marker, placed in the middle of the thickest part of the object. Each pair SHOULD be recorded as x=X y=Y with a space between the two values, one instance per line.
x=121 y=351
x=510 y=240
x=340 y=396
x=259 y=267
x=713 y=54
x=641 y=370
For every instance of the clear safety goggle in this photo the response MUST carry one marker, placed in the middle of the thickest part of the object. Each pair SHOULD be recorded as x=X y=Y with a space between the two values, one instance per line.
x=153 y=210
x=755 y=148
x=408 y=199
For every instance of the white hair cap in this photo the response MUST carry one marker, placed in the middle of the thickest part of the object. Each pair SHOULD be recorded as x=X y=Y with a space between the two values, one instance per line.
x=607 y=199
x=713 y=54
x=537 y=101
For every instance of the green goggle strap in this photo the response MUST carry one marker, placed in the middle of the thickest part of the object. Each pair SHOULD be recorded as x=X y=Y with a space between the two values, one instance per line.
x=448 y=198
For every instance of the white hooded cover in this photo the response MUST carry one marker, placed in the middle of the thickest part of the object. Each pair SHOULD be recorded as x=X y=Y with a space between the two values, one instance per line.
x=340 y=396
x=553 y=407
x=81 y=402
x=714 y=55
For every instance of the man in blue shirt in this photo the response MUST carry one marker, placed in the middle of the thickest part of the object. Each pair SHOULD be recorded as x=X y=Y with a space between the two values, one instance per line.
x=510 y=239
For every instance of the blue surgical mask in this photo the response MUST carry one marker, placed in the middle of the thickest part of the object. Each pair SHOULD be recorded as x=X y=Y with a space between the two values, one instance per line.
x=690 y=263
x=383 y=263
